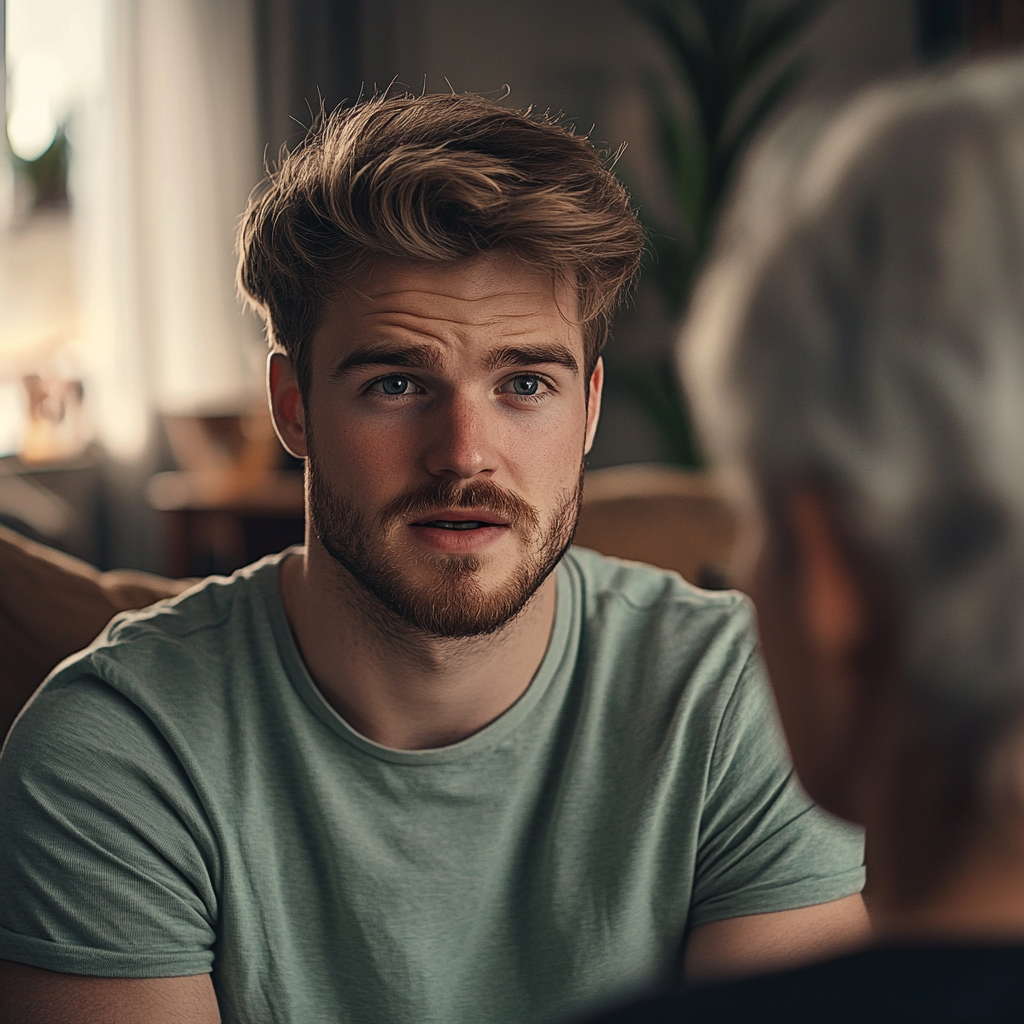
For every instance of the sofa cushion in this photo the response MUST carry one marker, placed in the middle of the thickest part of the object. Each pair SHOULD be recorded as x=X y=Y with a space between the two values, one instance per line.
x=52 y=605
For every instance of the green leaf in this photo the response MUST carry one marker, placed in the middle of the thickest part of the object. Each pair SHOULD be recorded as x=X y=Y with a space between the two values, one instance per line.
x=671 y=265
x=771 y=98
x=656 y=390
x=686 y=160
x=723 y=21
x=768 y=34
x=693 y=57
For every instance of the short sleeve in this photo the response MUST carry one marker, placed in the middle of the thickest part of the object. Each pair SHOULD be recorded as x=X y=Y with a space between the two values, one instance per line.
x=107 y=864
x=763 y=844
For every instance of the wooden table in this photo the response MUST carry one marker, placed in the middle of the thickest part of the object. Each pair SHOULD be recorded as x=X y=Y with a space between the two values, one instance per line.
x=219 y=520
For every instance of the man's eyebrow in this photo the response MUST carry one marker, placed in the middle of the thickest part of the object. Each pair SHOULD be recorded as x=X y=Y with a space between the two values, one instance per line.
x=422 y=356
x=533 y=355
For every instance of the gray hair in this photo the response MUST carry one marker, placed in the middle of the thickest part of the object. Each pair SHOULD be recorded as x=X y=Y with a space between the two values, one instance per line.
x=861 y=325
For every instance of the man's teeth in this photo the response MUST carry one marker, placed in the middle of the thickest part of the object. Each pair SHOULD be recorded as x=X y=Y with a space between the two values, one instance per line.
x=448 y=524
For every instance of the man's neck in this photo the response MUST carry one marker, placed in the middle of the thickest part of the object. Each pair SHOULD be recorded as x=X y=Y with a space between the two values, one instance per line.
x=396 y=685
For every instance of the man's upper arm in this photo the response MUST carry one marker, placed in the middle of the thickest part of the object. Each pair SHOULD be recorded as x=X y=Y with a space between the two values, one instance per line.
x=763 y=845
x=107 y=862
x=31 y=995
x=769 y=942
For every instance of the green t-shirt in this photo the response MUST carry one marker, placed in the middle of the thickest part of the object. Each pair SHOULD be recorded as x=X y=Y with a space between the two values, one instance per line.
x=180 y=798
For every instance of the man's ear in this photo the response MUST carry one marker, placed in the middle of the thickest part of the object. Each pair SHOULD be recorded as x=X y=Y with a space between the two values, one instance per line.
x=594 y=404
x=286 y=404
x=830 y=596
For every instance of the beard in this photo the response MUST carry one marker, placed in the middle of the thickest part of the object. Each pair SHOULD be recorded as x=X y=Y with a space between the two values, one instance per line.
x=453 y=603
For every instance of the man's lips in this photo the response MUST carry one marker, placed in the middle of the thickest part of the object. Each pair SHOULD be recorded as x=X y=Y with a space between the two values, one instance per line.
x=462 y=520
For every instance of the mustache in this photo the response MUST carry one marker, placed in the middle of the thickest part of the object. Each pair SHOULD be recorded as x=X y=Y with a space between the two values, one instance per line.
x=483 y=495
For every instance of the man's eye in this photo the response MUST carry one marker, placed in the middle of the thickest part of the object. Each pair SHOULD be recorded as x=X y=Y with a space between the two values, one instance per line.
x=524 y=385
x=396 y=385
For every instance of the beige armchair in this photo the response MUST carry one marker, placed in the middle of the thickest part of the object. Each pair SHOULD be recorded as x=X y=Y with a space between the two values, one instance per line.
x=673 y=518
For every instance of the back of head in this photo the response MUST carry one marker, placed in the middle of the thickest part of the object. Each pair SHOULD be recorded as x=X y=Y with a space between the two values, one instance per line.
x=434 y=179
x=861 y=328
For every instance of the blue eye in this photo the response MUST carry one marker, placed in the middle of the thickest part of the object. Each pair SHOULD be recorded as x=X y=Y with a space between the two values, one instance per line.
x=525 y=385
x=394 y=385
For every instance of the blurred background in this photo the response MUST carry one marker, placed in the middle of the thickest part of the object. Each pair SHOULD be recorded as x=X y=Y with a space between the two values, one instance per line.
x=133 y=429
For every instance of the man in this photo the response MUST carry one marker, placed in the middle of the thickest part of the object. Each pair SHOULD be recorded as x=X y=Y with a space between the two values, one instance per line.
x=857 y=356
x=431 y=767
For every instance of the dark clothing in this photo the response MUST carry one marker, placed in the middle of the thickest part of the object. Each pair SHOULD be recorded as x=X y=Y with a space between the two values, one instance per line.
x=934 y=985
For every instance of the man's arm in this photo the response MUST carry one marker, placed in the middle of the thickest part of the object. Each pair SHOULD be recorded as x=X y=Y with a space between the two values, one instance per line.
x=760 y=943
x=30 y=995
x=107 y=864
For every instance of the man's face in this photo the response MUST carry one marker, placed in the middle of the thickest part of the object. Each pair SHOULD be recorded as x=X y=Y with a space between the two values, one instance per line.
x=445 y=429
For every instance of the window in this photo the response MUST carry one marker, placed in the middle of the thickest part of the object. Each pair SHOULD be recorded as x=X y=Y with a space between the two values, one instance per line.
x=52 y=56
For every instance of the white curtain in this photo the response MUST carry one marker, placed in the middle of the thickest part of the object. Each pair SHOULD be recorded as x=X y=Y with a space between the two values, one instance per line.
x=168 y=157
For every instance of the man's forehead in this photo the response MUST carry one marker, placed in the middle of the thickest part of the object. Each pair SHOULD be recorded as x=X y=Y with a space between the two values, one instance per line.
x=497 y=282
x=495 y=290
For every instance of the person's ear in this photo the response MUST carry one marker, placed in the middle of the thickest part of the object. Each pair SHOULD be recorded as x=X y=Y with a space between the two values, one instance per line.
x=286 y=404
x=830 y=597
x=594 y=404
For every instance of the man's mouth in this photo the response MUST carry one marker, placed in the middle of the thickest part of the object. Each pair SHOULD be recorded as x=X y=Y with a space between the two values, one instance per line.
x=451 y=523
x=445 y=524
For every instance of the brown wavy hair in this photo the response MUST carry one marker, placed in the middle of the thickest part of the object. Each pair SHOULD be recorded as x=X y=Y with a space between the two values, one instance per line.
x=434 y=179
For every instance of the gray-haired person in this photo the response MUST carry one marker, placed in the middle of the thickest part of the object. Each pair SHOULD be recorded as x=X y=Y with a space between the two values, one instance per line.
x=855 y=355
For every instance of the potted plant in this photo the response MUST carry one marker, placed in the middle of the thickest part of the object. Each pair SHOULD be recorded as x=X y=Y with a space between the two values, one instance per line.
x=732 y=70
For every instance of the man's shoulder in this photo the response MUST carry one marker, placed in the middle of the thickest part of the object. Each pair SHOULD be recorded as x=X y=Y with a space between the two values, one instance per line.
x=614 y=588
x=201 y=614
x=667 y=636
x=642 y=582
x=181 y=644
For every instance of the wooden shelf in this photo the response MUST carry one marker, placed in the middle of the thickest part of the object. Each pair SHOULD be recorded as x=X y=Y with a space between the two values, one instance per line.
x=219 y=520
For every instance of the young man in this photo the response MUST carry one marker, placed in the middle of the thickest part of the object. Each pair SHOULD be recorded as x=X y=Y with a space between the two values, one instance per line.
x=860 y=360
x=431 y=767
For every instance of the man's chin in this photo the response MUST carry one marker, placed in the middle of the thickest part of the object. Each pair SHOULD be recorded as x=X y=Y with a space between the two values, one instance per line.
x=451 y=598
x=456 y=589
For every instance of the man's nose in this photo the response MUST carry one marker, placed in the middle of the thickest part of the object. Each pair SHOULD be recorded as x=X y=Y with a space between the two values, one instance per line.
x=460 y=440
